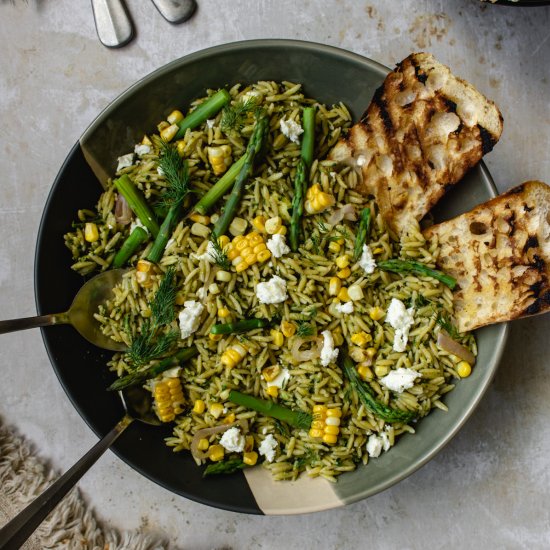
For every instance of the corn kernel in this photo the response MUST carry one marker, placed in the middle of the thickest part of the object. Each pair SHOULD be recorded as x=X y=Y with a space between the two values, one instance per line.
x=278 y=338
x=464 y=369
x=214 y=337
x=318 y=424
x=250 y=458
x=223 y=276
x=233 y=254
x=223 y=241
x=219 y=158
x=288 y=329
x=281 y=231
x=270 y=373
x=223 y=312
x=319 y=409
x=343 y=294
x=216 y=453
x=91 y=233
x=199 y=218
x=214 y=288
x=162 y=125
x=378 y=250
x=333 y=246
x=174 y=117
x=334 y=413
x=242 y=266
x=255 y=239
x=357 y=354
x=342 y=261
x=233 y=356
x=259 y=248
x=215 y=409
x=272 y=391
x=229 y=419
x=332 y=430
x=332 y=421
x=376 y=313
x=199 y=406
x=355 y=292
x=180 y=299
x=361 y=338
x=251 y=258
x=200 y=230
x=344 y=273
x=315 y=433
x=238 y=226
x=264 y=255
x=180 y=147
x=338 y=337
x=334 y=286
x=272 y=225
x=203 y=444
x=168 y=133
x=144 y=270
x=330 y=439
x=259 y=223
x=381 y=370
x=146 y=141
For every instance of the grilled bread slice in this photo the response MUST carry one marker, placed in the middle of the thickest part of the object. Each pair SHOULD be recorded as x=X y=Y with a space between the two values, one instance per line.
x=499 y=252
x=424 y=129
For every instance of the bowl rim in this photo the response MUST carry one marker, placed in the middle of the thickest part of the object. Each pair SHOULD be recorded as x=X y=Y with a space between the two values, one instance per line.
x=236 y=46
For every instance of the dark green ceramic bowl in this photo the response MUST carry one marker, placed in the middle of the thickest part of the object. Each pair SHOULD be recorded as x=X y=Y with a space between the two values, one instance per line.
x=328 y=74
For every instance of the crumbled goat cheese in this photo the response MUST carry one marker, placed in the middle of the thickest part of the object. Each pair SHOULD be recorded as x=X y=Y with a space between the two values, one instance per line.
x=367 y=261
x=277 y=246
x=346 y=307
x=201 y=293
x=400 y=379
x=233 y=440
x=280 y=380
x=267 y=448
x=401 y=320
x=377 y=443
x=210 y=122
x=272 y=291
x=328 y=352
x=124 y=161
x=137 y=223
x=292 y=130
x=189 y=318
x=142 y=149
x=209 y=255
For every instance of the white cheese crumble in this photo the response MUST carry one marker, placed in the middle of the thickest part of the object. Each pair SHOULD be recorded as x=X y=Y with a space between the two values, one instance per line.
x=291 y=129
x=125 y=161
x=377 y=443
x=233 y=440
x=272 y=291
x=280 y=380
x=137 y=223
x=189 y=318
x=401 y=319
x=267 y=448
x=210 y=122
x=160 y=171
x=346 y=307
x=277 y=246
x=201 y=293
x=329 y=353
x=209 y=254
x=367 y=261
x=142 y=149
x=400 y=379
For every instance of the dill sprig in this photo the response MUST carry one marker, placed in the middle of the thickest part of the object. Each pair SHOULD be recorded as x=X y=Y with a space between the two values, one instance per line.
x=219 y=255
x=176 y=172
x=304 y=329
x=163 y=305
x=234 y=116
x=443 y=319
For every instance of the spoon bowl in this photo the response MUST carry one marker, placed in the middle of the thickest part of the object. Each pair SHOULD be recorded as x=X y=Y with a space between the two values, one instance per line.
x=80 y=315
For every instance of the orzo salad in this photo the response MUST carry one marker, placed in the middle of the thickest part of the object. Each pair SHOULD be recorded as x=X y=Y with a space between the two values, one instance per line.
x=274 y=317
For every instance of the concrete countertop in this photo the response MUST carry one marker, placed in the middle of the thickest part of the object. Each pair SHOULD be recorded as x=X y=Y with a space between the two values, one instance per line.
x=488 y=488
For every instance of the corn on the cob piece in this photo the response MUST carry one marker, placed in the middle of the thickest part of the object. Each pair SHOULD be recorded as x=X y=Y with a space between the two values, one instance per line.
x=317 y=200
x=233 y=355
x=144 y=271
x=168 y=399
x=246 y=250
x=219 y=158
x=326 y=424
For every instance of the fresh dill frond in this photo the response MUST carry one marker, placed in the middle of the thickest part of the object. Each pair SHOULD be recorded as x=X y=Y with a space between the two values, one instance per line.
x=342 y=230
x=304 y=329
x=315 y=242
x=322 y=227
x=282 y=428
x=176 y=172
x=312 y=313
x=163 y=308
x=443 y=319
x=219 y=254
x=234 y=116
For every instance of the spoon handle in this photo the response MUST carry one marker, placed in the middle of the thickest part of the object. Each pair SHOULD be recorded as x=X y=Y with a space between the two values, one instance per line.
x=22 y=526
x=12 y=325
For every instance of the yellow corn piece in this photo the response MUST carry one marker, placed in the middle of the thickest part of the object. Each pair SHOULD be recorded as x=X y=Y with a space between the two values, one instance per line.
x=180 y=147
x=242 y=266
x=214 y=337
x=168 y=399
x=333 y=246
x=259 y=223
x=270 y=373
x=219 y=158
x=314 y=432
x=371 y=352
x=278 y=338
x=376 y=313
x=174 y=117
x=342 y=261
x=199 y=406
x=355 y=292
x=215 y=409
x=364 y=371
x=223 y=241
x=288 y=329
x=317 y=200
x=272 y=225
x=361 y=339
x=216 y=453
x=205 y=220
x=250 y=458
x=203 y=444
x=330 y=439
x=167 y=134
x=334 y=286
x=273 y=391
x=144 y=270
x=223 y=312
x=264 y=255
x=343 y=294
x=464 y=369
x=91 y=233
x=344 y=273
x=233 y=355
x=230 y=418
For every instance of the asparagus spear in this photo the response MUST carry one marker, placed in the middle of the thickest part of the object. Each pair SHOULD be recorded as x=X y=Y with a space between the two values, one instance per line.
x=137 y=203
x=298 y=419
x=241 y=326
x=300 y=180
x=138 y=377
x=404 y=266
x=129 y=246
x=255 y=145
x=362 y=233
x=366 y=395
x=226 y=467
x=203 y=112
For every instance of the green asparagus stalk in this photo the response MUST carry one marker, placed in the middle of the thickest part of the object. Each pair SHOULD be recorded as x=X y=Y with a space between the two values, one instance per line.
x=298 y=419
x=255 y=145
x=203 y=112
x=366 y=395
x=137 y=203
x=405 y=266
x=362 y=232
x=138 y=377
x=220 y=188
x=157 y=250
x=129 y=246
x=241 y=326
x=301 y=178
x=226 y=467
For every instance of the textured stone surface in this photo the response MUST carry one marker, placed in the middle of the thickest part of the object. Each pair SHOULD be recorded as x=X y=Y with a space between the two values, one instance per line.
x=489 y=486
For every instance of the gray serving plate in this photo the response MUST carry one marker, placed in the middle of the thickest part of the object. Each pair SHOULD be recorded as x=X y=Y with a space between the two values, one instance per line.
x=330 y=75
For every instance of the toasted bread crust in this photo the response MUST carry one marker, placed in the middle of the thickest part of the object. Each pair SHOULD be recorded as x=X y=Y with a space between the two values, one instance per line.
x=499 y=253
x=424 y=129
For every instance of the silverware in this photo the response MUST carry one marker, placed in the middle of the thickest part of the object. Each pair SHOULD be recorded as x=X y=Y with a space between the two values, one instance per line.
x=113 y=24
x=81 y=313
x=176 y=11
x=137 y=406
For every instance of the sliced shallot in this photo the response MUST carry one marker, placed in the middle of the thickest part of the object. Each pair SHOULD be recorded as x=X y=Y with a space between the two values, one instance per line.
x=123 y=213
x=345 y=212
x=445 y=342
x=309 y=354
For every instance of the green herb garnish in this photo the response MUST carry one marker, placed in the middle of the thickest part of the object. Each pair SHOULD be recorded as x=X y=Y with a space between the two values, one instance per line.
x=234 y=116
x=219 y=254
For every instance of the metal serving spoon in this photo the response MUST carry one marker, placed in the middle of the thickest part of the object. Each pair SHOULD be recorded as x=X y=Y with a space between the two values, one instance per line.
x=137 y=404
x=176 y=11
x=81 y=313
